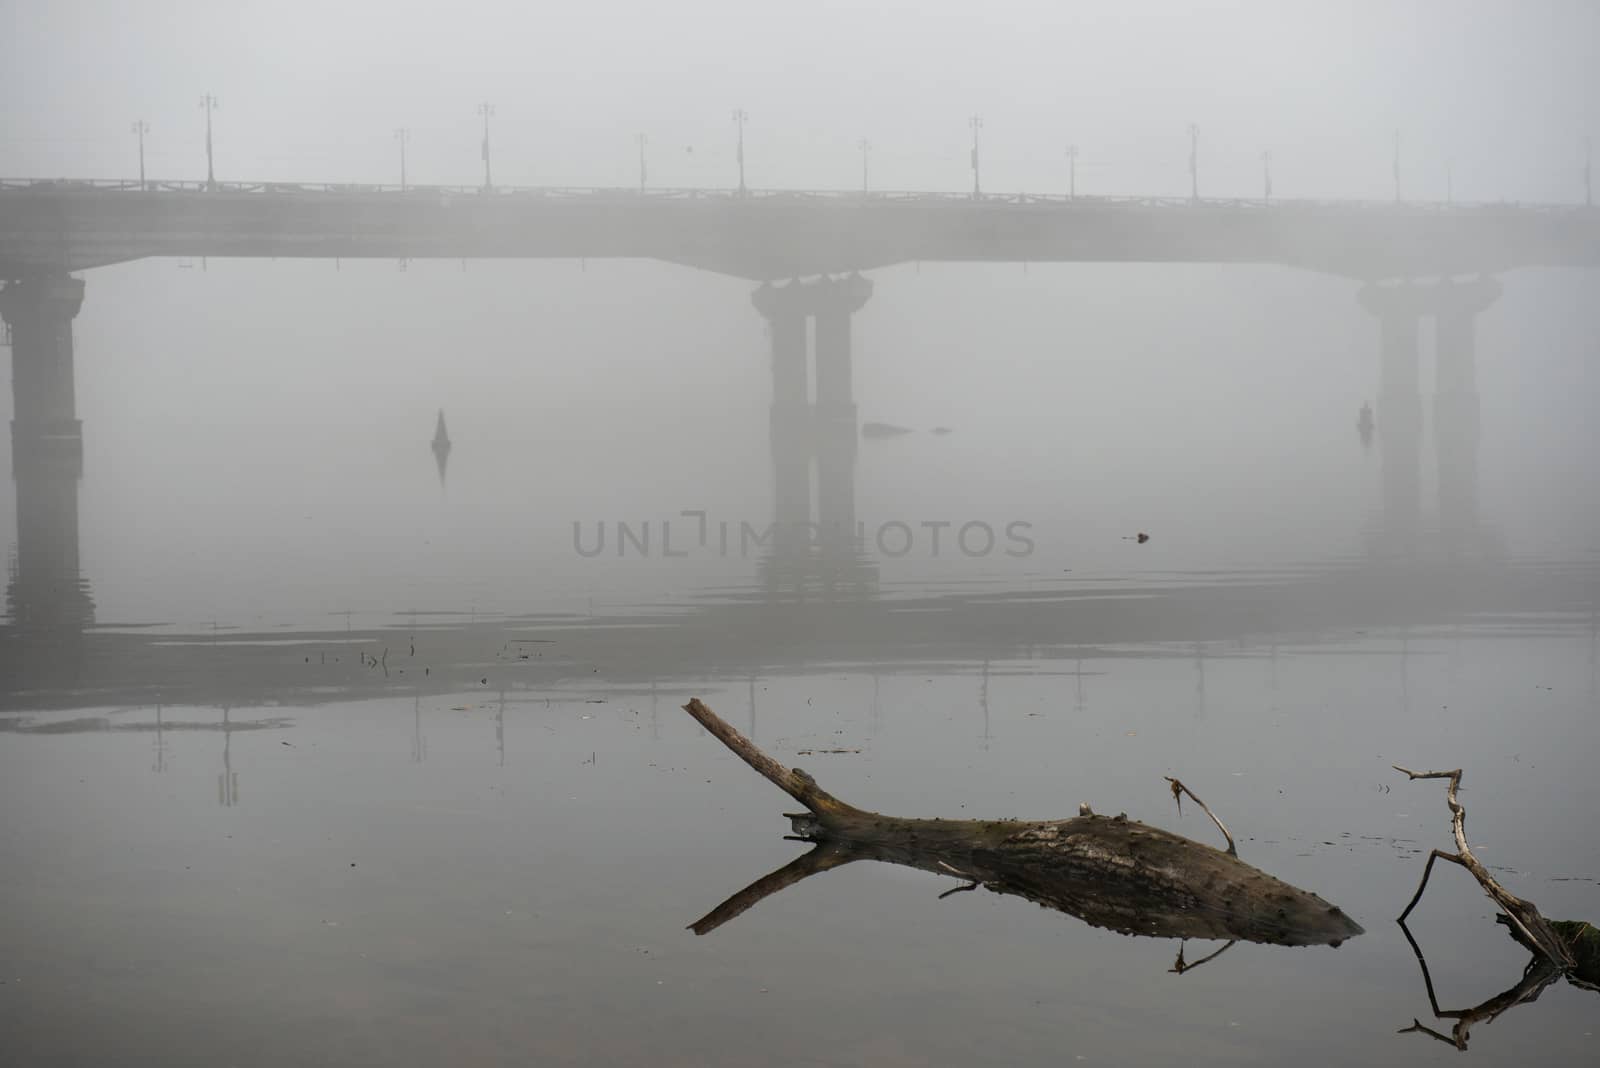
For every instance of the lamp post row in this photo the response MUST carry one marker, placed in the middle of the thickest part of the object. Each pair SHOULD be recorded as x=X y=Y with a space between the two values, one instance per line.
x=402 y=135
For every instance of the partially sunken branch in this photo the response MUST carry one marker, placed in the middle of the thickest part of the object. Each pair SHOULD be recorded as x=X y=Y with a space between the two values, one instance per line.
x=1111 y=872
x=1528 y=926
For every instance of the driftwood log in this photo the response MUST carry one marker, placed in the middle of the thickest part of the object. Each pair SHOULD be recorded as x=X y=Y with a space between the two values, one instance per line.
x=1560 y=948
x=1111 y=872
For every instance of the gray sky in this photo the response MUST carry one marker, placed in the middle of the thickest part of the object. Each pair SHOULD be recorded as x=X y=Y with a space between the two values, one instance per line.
x=313 y=91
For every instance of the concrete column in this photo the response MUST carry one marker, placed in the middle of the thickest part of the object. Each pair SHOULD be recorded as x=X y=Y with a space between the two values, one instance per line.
x=1397 y=310
x=785 y=310
x=40 y=310
x=45 y=587
x=836 y=426
x=1455 y=403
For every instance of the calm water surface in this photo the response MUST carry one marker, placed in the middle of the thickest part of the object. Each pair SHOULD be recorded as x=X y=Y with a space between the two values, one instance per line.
x=390 y=873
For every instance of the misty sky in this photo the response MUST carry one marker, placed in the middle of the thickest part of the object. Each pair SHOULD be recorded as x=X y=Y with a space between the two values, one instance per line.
x=314 y=91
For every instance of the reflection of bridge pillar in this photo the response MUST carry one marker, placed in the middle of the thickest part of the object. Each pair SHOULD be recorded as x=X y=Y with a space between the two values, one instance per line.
x=785 y=311
x=1455 y=403
x=1399 y=405
x=47 y=451
x=836 y=411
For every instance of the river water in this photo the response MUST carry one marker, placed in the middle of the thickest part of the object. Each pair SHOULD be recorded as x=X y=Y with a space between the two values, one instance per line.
x=358 y=764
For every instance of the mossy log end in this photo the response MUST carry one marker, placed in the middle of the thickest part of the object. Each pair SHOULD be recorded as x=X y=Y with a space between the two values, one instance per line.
x=1111 y=872
x=1583 y=942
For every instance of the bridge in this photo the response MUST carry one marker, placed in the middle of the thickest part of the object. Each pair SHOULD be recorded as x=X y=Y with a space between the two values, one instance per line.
x=766 y=235
x=50 y=229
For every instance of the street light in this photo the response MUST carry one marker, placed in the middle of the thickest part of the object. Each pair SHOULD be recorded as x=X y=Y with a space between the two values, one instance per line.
x=209 y=103
x=866 y=149
x=739 y=117
x=1194 y=162
x=1266 y=176
x=976 y=122
x=640 y=139
x=1588 y=172
x=1072 y=172
x=402 y=135
x=1397 y=166
x=141 y=128
x=486 y=109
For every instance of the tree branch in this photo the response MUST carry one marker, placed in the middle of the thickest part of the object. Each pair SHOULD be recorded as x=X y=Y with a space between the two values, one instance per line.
x=1528 y=926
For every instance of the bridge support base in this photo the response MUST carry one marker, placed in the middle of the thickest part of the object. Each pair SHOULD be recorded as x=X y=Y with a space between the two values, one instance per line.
x=1399 y=310
x=821 y=547
x=1399 y=407
x=1455 y=406
x=45 y=585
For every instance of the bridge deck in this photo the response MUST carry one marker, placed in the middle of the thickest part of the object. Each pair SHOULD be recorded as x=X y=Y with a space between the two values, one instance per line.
x=769 y=234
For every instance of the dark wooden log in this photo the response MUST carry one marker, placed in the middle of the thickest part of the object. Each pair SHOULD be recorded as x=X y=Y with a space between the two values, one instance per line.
x=1111 y=872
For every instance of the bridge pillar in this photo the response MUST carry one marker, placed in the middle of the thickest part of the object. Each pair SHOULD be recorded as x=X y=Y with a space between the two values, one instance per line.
x=1398 y=309
x=836 y=427
x=39 y=310
x=1455 y=403
x=785 y=309
x=45 y=585
x=820 y=553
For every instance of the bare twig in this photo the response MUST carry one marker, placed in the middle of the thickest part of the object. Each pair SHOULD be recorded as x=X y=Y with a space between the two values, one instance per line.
x=1427 y=870
x=1180 y=965
x=1178 y=789
x=824 y=857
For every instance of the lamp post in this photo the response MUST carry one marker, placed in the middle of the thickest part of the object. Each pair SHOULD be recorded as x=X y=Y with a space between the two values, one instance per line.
x=1588 y=172
x=640 y=140
x=866 y=149
x=402 y=135
x=209 y=103
x=486 y=109
x=1194 y=162
x=739 y=117
x=1266 y=176
x=1397 y=166
x=976 y=122
x=141 y=128
x=1072 y=172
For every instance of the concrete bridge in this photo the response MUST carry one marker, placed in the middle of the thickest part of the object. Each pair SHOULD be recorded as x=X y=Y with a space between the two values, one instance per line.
x=60 y=226
x=50 y=229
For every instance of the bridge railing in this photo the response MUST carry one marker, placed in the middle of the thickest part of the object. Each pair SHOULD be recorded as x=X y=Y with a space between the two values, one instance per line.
x=634 y=195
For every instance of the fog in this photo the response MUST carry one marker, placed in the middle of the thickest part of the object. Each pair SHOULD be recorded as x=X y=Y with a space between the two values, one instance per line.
x=312 y=92
x=311 y=643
